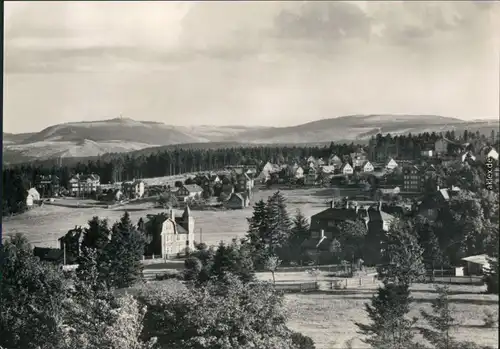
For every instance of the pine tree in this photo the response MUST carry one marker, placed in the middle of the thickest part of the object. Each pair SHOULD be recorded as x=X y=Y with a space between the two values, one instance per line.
x=97 y=234
x=441 y=321
x=389 y=328
x=403 y=256
x=279 y=222
x=124 y=254
x=257 y=225
x=298 y=234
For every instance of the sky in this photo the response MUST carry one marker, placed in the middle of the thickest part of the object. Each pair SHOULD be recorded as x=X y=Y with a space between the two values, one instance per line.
x=247 y=63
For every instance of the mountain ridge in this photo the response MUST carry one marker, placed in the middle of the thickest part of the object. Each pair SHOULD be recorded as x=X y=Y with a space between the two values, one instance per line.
x=92 y=138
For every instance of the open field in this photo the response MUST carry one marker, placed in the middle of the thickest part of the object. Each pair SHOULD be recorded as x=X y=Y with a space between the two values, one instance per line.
x=329 y=317
x=44 y=225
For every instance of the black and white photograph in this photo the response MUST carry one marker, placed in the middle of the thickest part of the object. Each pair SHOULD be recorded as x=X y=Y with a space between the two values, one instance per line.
x=250 y=175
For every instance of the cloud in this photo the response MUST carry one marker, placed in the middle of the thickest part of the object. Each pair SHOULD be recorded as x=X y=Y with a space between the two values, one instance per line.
x=65 y=36
x=324 y=21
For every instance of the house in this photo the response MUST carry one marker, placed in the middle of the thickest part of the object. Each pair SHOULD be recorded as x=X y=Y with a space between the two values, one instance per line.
x=426 y=153
x=268 y=167
x=367 y=166
x=441 y=147
x=32 y=197
x=413 y=179
x=244 y=182
x=298 y=172
x=311 y=160
x=48 y=186
x=177 y=234
x=391 y=164
x=467 y=156
x=320 y=162
x=477 y=265
x=335 y=161
x=486 y=153
x=238 y=201
x=133 y=189
x=433 y=203
x=70 y=244
x=189 y=191
x=114 y=195
x=347 y=169
x=48 y=254
x=264 y=176
x=328 y=170
x=311 y=176
x=358 y=158
x=214 y=178
x=84 y=185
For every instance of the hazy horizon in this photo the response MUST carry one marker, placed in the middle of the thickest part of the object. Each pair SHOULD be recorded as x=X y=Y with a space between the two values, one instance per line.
x=247 y=63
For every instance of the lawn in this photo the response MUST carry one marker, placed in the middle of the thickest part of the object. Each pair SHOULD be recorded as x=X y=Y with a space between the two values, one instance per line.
x=329 y=317
x=44 y=225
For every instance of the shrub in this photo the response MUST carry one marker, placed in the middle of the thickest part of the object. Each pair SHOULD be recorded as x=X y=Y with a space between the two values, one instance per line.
x=490 y=319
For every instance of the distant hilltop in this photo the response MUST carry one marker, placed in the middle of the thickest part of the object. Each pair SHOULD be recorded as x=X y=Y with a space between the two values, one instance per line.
x=91 y=138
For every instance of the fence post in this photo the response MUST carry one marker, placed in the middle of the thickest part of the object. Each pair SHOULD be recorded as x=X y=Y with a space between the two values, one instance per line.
x=301 y=287
x=359 y=281
x=143 y=257
x=153 y=257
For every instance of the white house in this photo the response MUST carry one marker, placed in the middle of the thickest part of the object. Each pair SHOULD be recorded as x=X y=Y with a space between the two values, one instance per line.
x=347 y=169
x=298 y=172
x=391 y=164
x=367 y=167
x=328 y=169
x=477 y=264
x=493 y=154
x=32 y=197
x=268 y=167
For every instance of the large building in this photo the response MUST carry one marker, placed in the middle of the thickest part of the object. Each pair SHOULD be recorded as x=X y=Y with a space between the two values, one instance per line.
x=413 y=179
x=84 y=185
x=177 y=234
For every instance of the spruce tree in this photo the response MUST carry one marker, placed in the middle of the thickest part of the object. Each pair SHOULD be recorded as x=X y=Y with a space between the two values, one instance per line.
x=97 y=234
x=402 y=258
x=389 y=328
x=279 y=222
x=124 y=254
x=441 y=321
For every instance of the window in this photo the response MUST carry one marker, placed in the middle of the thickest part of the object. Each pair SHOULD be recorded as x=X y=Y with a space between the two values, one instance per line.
x=331 y=223
x=430 y=211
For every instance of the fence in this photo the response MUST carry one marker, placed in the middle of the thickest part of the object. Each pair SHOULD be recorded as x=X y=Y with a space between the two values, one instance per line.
x=297 y=287
x=352 y=282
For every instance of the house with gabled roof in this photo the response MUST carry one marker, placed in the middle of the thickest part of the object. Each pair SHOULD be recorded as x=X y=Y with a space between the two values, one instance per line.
x=32 y=197
x=346 y=169
x=189 y=191
x=177 y=234
x=238 y=200
x=311 y=176
x=391 y=164
x=366 y=166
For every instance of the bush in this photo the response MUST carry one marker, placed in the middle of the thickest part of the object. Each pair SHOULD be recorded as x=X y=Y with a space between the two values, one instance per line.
x=301 y=341
x=490 y=319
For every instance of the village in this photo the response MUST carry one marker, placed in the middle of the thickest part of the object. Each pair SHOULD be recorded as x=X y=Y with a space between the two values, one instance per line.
x=360 y=187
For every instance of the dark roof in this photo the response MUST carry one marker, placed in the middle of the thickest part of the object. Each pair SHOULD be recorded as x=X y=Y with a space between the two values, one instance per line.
x=193 y=188
x=337 y=214
x=49 y=254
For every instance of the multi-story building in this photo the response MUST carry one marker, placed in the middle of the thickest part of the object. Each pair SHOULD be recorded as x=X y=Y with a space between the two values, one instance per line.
x=84 y=185
x=177 y=235
x=47 y=186
x=413 y=179
x=133 y=189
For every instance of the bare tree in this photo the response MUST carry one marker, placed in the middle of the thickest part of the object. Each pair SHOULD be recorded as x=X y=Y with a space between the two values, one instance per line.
x=272 y=263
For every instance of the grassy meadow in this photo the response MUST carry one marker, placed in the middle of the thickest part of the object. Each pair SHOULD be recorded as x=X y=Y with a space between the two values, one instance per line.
x=44 y=225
